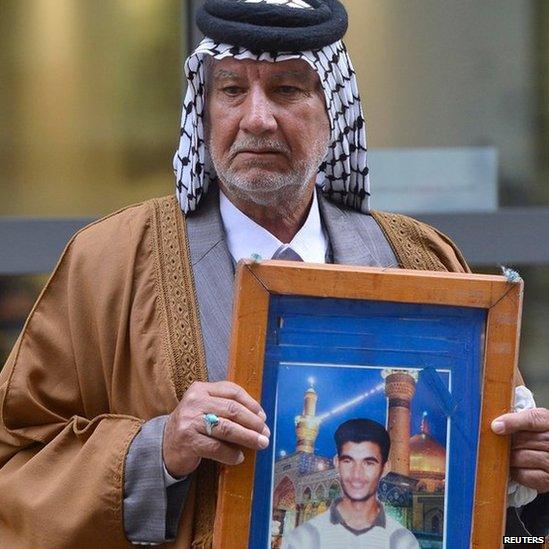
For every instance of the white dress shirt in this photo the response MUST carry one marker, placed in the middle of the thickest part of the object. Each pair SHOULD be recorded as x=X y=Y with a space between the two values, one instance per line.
x=247 y=239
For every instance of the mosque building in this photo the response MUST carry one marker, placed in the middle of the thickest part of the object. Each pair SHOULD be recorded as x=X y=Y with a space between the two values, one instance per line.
x=306 y=483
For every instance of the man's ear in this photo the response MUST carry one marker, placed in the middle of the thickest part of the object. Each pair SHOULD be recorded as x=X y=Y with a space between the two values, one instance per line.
x=336 y=461
x=386 y=468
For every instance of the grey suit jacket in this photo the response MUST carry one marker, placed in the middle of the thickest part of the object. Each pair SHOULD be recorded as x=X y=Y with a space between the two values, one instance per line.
x=152 y=511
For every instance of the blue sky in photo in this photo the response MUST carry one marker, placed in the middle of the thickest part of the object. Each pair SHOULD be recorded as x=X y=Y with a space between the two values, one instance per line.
x=336 y=385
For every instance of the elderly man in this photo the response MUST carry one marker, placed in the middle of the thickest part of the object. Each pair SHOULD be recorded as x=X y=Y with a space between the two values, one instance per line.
x=114 y=408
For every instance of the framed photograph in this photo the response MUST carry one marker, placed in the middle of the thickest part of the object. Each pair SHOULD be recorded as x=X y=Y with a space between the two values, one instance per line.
x=379 y=387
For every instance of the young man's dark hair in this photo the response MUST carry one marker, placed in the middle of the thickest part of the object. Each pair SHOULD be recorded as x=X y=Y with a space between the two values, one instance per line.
x=363 y=430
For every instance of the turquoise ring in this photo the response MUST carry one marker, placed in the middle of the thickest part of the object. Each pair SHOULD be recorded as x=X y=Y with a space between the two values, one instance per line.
x=210 y=421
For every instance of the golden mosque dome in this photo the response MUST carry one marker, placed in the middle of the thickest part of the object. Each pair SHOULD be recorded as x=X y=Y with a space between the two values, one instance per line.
x=427 y=456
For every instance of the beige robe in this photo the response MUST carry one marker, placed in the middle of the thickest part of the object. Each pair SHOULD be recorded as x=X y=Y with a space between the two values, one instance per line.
x=114 y=340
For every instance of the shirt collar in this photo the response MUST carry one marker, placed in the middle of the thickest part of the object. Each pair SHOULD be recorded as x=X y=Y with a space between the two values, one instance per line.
x=336 y=518
x=245 y=237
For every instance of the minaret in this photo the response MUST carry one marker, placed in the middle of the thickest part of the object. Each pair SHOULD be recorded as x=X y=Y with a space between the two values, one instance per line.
x=400 y=386
x=306 y=425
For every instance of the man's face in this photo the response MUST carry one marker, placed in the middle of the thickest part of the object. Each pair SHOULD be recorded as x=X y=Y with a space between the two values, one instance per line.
x=266 y=127
x=360 y=468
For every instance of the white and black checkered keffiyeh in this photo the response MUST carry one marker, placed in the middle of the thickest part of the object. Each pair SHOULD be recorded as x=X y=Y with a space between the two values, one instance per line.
x=343 y=175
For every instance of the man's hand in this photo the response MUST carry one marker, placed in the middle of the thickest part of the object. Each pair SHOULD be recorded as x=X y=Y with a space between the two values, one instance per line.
x=241 y=424
x=530 y=446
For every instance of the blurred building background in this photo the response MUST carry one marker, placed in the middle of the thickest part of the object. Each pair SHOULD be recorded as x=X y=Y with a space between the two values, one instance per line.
x=90 y=97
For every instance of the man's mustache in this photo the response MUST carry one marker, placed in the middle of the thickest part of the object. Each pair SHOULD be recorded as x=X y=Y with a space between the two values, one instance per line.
x=258 y=145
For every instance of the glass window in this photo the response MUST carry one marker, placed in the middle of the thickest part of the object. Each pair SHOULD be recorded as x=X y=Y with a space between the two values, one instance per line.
x=90 y=101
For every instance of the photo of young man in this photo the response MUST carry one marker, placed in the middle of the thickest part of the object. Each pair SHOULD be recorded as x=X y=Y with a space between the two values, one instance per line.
x=358 y=518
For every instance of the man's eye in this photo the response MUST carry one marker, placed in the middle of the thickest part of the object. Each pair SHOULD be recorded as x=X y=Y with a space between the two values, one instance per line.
x=288 y=90
x=232 y=90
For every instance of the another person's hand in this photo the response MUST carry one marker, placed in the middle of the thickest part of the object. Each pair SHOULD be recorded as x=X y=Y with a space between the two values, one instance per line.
x=241 y=424
x=530 y=446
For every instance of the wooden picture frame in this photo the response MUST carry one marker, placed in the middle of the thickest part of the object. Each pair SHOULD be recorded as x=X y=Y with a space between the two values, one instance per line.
x=498 y=299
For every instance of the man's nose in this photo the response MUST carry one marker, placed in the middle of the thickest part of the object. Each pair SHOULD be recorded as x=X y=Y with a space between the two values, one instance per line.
x=258 y=117
x=357 y=473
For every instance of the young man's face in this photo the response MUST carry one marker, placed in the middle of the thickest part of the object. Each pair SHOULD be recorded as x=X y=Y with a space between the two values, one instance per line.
x=360 y=468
